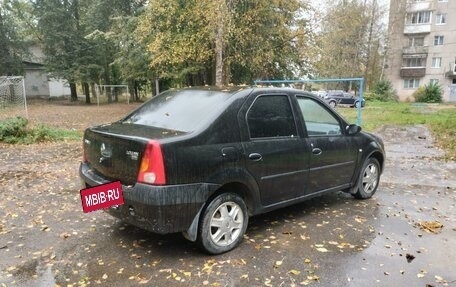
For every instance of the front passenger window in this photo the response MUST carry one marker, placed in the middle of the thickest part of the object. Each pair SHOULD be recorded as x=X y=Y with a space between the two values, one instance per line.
x=318 y=120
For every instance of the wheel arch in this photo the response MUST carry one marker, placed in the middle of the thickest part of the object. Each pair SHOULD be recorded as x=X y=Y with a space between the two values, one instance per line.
x=240 y=189
x=236 y=181
x=378 y=156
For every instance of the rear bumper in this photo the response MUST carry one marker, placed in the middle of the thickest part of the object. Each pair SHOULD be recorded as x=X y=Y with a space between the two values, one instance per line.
x=160 y=209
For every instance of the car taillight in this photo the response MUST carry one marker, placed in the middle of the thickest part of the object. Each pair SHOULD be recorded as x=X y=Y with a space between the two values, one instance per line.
x=152 y=169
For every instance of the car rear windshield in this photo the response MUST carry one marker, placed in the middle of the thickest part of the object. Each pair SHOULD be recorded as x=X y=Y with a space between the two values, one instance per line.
x=181 y=110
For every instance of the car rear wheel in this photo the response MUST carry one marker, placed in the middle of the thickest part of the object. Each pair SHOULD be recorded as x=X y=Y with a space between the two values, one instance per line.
x=223 y=223
x=368 y=180
x=332 y=104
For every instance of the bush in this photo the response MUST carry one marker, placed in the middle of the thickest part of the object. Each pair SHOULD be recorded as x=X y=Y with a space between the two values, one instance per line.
x=418 y=93
x=13 y=128
x=382 y=91
x=16 y=130
x=430 y=93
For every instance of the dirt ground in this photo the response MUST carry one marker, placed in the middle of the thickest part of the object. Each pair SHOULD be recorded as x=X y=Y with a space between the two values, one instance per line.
x=404 y=236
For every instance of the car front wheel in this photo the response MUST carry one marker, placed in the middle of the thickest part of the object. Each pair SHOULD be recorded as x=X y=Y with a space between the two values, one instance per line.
x=223 y=223
x=368 y=180
x=332 y=104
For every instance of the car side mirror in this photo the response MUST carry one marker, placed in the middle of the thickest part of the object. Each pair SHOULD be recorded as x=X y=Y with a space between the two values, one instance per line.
x=353 y=129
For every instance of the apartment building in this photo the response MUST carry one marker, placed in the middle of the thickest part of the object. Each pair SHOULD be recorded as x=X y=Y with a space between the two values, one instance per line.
x=422 y=46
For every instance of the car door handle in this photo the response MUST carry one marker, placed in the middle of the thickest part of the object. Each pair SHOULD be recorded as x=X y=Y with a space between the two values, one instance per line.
x=316 y=151
x=255 y=156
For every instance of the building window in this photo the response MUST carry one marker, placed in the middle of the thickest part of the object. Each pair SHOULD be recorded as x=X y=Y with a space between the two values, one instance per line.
x=440 y=18
x=413 y=62
x=438 y=40
x=436 y=62
x=416 y=41
x=443 y=0
x=411 y=83
x=434 y=81
x=423 y=17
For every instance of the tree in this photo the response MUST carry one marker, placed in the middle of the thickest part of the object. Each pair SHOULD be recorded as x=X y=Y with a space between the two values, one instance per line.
x=207 y=42
x=117 y=31
x=271 y=39
x=351 y=40
x=65 y=48
x=12 y=47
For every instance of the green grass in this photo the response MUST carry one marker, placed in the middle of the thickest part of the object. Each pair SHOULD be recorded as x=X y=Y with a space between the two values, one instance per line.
x=439 y=118
x=17 y=131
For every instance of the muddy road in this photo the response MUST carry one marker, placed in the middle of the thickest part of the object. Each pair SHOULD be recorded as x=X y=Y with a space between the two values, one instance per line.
x=404 y=236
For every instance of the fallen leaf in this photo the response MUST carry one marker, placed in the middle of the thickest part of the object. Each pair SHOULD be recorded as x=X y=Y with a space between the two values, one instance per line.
x=409 y=257
x=322 y=249
x=430 y=226
x=294 y=272
x=278 y=263
x=439 y=279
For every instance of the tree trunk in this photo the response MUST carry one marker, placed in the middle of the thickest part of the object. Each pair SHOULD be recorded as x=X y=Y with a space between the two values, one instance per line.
x=219 y=41
x=136 y=91
x=92 y=89
x=219 y=57
x=157 y=86
x=131 y=89
x=74 y=93
x=87 y=92
x=369 y=44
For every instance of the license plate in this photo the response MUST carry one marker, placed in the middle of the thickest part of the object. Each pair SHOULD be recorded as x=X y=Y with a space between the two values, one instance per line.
x=101 y=196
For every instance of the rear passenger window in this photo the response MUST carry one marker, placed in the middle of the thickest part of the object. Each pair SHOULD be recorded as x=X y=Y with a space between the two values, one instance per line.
x=271 y=116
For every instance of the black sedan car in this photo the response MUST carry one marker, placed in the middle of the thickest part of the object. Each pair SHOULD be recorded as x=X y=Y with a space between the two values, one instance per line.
x=201 y=161
x=334 y=98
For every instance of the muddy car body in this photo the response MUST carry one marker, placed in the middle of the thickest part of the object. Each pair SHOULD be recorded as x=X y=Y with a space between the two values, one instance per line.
x=202 y=160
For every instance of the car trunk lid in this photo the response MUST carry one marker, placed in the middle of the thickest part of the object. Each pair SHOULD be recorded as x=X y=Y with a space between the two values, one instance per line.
x=115 y=151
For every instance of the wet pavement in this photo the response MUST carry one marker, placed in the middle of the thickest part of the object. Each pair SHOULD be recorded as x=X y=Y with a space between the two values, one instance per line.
x=334 y=240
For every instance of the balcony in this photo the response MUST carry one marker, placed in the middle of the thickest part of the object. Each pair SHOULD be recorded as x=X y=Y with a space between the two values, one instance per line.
x=415 y=72
x=415 y=50
x=417 y=28
x=419 y=6
x=450 y=74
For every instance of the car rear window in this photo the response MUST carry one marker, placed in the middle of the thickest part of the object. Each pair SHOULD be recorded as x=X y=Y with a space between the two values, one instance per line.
x=182 y=110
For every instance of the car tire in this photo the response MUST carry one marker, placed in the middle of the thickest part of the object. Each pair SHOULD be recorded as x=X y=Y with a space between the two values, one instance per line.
x=356 y=105
x=332 y=104
x=223 y=223
x=368 y=179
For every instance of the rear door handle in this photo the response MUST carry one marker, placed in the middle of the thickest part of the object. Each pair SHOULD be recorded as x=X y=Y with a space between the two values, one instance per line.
x=255 y=156
x=316 y=151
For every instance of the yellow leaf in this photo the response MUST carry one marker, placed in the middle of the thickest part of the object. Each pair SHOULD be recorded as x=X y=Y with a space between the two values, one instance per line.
x=322 y=249
x=278 y=263
x=307 y=260
x=294 y=272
